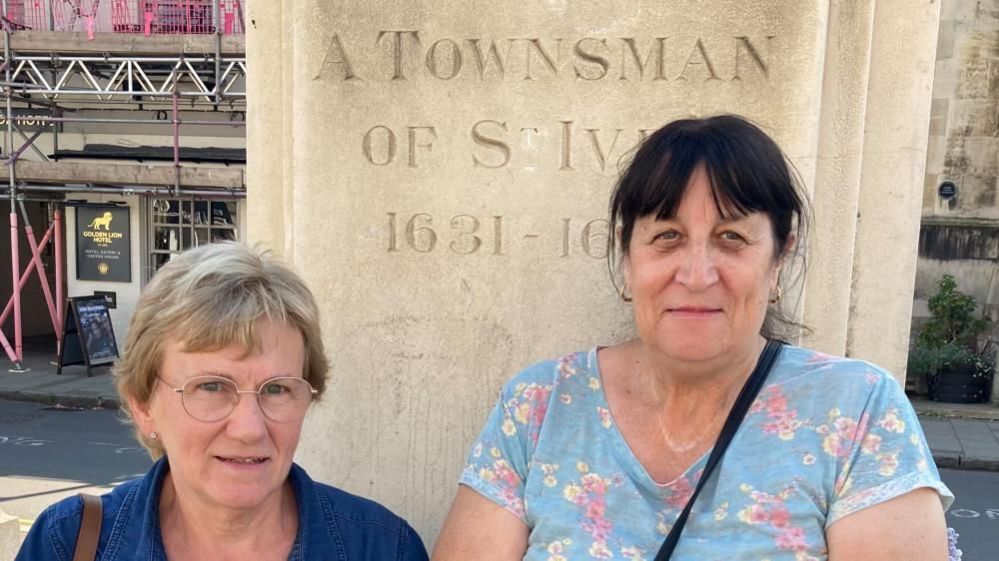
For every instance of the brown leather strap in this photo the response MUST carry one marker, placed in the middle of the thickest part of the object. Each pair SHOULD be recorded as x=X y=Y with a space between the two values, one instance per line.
x=90 y=529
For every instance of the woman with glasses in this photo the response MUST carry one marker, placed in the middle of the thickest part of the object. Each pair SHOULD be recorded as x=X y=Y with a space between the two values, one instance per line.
x=223 y=358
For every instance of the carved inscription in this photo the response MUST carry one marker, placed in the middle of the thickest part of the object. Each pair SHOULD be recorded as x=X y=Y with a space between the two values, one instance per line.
x=379 y=144
x=410 y=54
x=496 y=144
x=464 y=234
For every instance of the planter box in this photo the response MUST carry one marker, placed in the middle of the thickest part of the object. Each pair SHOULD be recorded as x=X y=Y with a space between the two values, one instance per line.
x=959 y=385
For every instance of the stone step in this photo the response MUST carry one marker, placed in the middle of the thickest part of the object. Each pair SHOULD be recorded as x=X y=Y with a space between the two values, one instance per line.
x=10 y=535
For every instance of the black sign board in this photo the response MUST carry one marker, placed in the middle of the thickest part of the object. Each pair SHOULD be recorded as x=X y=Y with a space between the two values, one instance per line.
x=88 y=336
x=103 y=244
x=947 y=190
x=29 y=120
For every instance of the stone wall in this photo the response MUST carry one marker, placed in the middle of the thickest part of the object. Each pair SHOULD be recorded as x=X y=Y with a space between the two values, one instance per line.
x=959 y=235
x=443 y=173
x=964 y=118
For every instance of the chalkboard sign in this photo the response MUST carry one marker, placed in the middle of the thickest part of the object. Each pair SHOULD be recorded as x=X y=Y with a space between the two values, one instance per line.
x=88 y=336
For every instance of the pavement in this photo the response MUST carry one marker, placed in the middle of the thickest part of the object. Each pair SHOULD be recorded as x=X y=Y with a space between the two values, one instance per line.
x=40 y=383
x=960 y=436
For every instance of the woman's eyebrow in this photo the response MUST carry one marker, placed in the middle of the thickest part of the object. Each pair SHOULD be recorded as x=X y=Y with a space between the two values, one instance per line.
x=214 y=374
x=736 y=216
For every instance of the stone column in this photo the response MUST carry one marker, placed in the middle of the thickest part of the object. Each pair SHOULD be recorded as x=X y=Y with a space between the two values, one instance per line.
x=269 y=133
x=440 y=175
x=836 y=195
x=896 y=122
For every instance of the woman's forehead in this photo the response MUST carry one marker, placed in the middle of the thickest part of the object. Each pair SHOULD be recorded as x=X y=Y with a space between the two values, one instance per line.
x=708 y=216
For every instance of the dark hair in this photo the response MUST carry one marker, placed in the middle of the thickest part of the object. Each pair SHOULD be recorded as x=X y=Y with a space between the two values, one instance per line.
x=746 y=170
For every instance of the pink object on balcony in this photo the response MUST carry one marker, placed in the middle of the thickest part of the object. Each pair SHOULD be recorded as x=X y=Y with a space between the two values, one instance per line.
x=77 y=15
x=27 y=14
x=148 y=17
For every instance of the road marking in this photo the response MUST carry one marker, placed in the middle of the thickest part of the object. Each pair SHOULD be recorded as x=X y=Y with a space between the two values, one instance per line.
x=31 y=441
x=23 y=441
x=990 y=513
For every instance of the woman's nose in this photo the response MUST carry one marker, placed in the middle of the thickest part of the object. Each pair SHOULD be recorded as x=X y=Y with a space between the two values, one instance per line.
x=698 y=270
x=247 y=421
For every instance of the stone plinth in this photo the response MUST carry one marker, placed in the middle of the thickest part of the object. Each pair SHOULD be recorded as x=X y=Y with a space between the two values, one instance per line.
x=440 y=175
x=10 y=535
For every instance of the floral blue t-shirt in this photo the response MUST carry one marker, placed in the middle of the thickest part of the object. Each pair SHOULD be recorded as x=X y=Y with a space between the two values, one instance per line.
x=826 y=437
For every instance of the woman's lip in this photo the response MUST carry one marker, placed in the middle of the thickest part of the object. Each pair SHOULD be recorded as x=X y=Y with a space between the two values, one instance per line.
x=246 y=460
x=693 y=310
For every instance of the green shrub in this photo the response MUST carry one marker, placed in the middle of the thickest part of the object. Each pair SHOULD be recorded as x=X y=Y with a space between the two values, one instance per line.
x=926 y=362
x=952 y=317
x=950 y=338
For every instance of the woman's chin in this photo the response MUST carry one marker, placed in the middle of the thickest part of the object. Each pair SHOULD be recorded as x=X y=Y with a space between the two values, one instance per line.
x=242 y=489
x=689 y=349
x=238 y=497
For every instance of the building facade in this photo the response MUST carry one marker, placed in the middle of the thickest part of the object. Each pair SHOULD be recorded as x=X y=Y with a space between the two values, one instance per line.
x=959 y=230
x=130 y=113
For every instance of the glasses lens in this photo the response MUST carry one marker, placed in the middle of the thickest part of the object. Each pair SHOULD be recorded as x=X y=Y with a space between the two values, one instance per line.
x=208 y=398
x=285 y=399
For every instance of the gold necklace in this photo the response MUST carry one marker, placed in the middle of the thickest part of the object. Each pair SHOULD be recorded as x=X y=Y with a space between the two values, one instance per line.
x=681 y=448
x=726 y=406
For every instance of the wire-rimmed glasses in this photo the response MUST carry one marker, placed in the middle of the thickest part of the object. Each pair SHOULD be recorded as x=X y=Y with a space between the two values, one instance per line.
x=213 y=398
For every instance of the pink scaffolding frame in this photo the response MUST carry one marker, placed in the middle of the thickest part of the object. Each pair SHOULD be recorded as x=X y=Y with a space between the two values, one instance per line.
x=26 y=14
x=18 y=14
x=194 y=17
x=54 y=235
x=147 y=17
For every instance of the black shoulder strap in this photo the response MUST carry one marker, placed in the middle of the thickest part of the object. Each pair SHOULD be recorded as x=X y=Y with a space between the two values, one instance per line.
x=749 y=391
x=90 y=528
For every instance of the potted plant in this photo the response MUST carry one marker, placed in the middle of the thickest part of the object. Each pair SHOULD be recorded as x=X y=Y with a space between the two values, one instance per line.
x=947 y=355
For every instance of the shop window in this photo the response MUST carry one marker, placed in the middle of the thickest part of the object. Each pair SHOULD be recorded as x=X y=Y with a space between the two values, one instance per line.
x=183 y=223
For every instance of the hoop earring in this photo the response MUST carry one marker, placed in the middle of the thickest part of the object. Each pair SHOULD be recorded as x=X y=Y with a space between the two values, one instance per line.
x=777 y=295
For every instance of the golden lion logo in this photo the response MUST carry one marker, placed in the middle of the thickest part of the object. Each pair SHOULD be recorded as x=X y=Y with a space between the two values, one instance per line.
x=102 y=221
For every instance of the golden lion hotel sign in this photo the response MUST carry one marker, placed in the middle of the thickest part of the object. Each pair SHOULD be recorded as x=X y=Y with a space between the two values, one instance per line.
x=103 y=248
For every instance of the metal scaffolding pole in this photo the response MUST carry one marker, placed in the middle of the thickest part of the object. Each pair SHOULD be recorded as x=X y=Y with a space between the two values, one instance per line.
x=176 y=143
x=15 y=262
x=216 y=13
x=125 y=191
x=29 y=141
x=130 y=76
x=134 y=121
x=60 y=308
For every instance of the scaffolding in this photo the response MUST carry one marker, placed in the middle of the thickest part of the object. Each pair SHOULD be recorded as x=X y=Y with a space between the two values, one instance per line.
x=69 y=56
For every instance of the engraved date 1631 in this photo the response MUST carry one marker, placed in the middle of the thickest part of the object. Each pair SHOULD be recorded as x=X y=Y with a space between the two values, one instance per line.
x=464 y=234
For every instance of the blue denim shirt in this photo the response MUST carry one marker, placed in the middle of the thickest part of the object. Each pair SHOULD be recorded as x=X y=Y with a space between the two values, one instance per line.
x=332 y=525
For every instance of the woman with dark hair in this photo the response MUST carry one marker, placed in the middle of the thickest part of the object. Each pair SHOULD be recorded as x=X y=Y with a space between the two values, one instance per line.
x=705 y=431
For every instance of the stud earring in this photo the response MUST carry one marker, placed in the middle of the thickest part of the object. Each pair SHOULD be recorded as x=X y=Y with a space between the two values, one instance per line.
x=153 y=436
x=623 y=294
x=777 y=295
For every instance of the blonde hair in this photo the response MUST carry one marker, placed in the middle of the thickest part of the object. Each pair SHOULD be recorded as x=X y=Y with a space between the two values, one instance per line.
x=208 y=298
